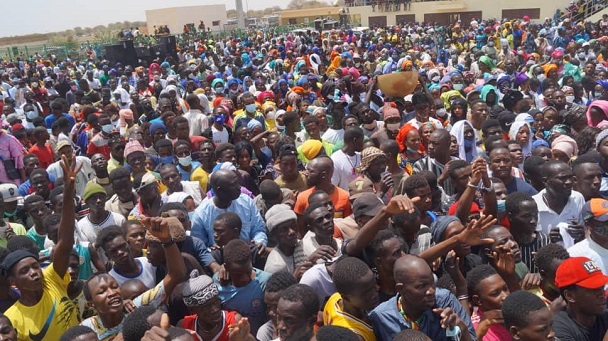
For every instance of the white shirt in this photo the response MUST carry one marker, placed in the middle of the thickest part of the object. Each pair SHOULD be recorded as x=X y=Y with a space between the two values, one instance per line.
x=219 y=136
x=549 y=219
x=333 y=136
x=87 y=231
x=147 y=273
x=198 y=122
x=85 y=175
x=414 y=122
x=344 y=168
x=592 y=250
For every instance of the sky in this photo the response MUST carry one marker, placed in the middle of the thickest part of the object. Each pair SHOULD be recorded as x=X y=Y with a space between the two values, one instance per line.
x=43 y=16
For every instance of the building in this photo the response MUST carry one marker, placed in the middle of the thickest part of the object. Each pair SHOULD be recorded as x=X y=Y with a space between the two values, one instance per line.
x=214 y=17
x=442 y=12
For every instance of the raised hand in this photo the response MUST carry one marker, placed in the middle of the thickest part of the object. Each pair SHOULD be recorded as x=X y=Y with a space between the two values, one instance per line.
x=240 y=331
x=70 y=171
x=158 y=227
x=472 y=233
x=400 y=204
x=504 y=261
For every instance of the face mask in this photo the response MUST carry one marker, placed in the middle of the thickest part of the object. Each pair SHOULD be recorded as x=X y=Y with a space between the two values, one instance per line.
x=219 y=90
x=393 y=126
x=412 y=150
x=441 y=112
x=73 y=88
x=501 y=205
x=185 y=161
x=570 y=99
x=219 y=119
x=520 y=52
x=435 y=79
x=107 y=128
x=31 y=115
x=597 y=94
x=581 y=56
x=250 y=107
x=357 y=65
x=458 y=86
x=166 y=159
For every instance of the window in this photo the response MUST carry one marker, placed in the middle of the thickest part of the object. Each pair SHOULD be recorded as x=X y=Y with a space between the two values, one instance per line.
x=292 y=21
x=215 y=23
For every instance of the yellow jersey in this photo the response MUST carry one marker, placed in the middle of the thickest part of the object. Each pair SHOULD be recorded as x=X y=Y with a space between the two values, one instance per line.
x=334 y=316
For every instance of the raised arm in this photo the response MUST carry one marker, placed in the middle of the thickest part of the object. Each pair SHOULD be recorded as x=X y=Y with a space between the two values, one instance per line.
x=63 y=249
x=176 y=268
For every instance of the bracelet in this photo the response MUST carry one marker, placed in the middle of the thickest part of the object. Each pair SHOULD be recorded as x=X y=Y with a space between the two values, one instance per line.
x=168 y=244
x=463 y=297
x=487 y=189
x=473 y=186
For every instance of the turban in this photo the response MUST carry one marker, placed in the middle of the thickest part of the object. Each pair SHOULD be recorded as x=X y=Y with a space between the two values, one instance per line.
x=439 y=226
x=368 y=155
x=198 y=290
x=566 y=144
x=549 y=67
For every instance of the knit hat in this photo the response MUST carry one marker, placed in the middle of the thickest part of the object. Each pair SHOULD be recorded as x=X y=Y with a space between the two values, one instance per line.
x=198 y=290
x=13 y=258
x=132 y=147
x=368 y=155
x=311 y=148
x=600 y=137
x=155 y=126
x=279 y=214
x=439 y=226
x=175 y=228
x=91 y=189
x=390 y=112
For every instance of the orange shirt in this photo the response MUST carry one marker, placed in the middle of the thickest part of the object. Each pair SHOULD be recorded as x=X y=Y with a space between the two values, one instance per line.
x=339 y=198
x=45 y=155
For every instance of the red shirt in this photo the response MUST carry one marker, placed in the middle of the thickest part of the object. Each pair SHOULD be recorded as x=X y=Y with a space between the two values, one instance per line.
x=229 y=317
x=45 y=154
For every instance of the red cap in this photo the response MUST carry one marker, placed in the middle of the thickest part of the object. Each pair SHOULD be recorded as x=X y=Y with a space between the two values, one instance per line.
x=581 y=271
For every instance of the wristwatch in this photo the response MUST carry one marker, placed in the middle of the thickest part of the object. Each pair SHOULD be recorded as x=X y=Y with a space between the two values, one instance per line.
x=168 y=244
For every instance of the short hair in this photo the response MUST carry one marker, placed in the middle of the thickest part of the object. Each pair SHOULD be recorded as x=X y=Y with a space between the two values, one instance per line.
x=533 y=164
x=346 y=272
x=220 y=149
x=589 y=157
x=419 y=98
x=446 y=282
x=490 y=123
x=269 y=189
x=430 y=177
x=280 y=281
x=310 y=119
x=51 y=220
x=181 y=142
x=478 y=274
x=489 y=141
x=456 y=165
x=410 y=335
x=108 y=234
x=55 y=193
x=34 y=198
x=163 y=143
x=546 y=254
x=290 y=117
x=39 y=171
x=304 y=294
x=170 y=206
x=237 y=251
x=21 y=243
x=414 y=182
x=549 y=165
x=332 y=333
x=76 y=332
x=378 y=241
x=180 y=119
x=311 y=207
x=514 y=200
x=518 y=306
x=406 y=217
x=30 y=156
x=231 y=219
x=240 y=146
x=119 y=173
x=136 y=323
x=352 y=133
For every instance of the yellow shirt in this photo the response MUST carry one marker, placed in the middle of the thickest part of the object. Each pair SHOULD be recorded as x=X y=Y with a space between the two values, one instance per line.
x=202 y=177
x=17 y=228
x=334 y=316
x=51 y=316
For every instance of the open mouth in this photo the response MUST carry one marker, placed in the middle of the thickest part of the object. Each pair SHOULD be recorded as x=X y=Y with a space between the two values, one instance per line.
x=115 y=302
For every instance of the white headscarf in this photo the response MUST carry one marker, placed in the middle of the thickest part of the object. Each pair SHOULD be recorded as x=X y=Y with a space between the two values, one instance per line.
x=458 y=132
x=527 y=148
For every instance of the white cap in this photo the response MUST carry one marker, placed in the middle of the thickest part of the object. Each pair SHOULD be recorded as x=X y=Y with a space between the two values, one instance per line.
x=9 y=192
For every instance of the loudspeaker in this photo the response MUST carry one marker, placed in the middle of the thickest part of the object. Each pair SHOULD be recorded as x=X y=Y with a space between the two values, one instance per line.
x=127 y=44
x=142 y=52
x=159 y=51
x=170 y=41
x=119 y=54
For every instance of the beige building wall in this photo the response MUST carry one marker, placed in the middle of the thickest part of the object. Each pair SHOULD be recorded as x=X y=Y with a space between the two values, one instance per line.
x=176 y=17
x=447 y=11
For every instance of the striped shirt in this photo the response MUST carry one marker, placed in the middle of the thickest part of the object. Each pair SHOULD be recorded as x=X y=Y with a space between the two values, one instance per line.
x=527 y=250
x=428 y=163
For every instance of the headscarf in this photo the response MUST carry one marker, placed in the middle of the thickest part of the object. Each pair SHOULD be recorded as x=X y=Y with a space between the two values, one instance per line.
x=485 y=90
x=489 y=63
x=458 y=132
x=368 y=155
x=252 y=124
x=515 y=126
x=448 y=96
x=548 y=67
x=402 y=136
x=603 y=106
x=439 y=226
x=124 y=115
x=202 y=98
x=566 y=144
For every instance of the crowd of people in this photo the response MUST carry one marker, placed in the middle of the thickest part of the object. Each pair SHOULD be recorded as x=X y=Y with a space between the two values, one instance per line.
x=268 y=188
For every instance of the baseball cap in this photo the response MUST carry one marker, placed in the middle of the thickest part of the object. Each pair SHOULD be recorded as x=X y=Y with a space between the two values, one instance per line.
x=12 y=119
x=581 y=271
x=9 y=192
x=146 y=179
x=368 y=204
x=359 y=186
x=596 y=209
x=62 y=144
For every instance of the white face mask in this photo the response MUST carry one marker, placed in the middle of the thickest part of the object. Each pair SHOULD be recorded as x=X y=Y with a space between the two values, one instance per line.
x=458 y=86
x=270 y=115
x=570 y=99
x=393 y=127
x=107 y=128
x=185 y=161
x=441 y=112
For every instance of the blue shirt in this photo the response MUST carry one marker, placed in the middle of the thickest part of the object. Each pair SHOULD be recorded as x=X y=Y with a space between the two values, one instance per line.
x=388 y=321
x=24 y=188
x=253 y=225
x=50 y=119
x=185 y=174
x=519 y=185
x=247 y=300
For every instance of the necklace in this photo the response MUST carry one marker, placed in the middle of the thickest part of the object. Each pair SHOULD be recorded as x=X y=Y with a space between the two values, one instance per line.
x=353 y=166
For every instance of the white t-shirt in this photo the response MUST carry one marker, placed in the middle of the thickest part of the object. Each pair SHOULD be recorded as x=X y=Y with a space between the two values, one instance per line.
x=333 y=136
x=319 y=279
x=87 y=231
x=549 y=219
x=147 y=274
x=592 y=250
x=219 y=136
x=414 y=122
x=344 y=168
x=278 y=261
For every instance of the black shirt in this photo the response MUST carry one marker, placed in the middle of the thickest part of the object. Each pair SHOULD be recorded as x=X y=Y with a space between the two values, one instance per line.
x=567 y=329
